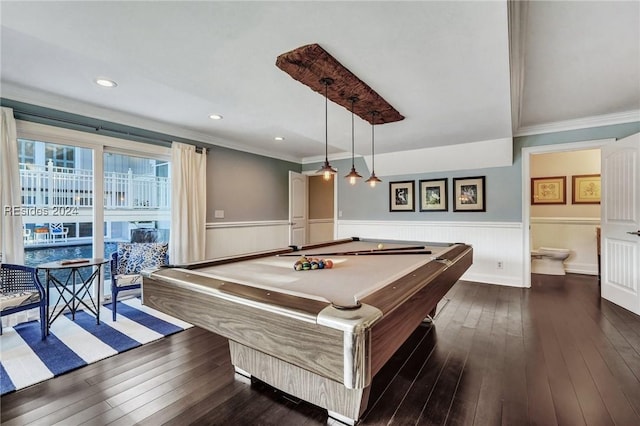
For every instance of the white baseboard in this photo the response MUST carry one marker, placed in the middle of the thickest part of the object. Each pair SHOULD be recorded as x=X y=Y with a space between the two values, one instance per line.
x=509 y=281
x=581 y=268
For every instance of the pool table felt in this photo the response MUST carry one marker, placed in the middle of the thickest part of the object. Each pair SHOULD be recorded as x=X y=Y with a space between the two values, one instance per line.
x=351 y=278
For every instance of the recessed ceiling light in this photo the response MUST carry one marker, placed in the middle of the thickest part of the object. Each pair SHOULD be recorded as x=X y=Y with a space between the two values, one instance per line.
x=105 y=82
x=215 y=117
x=279 y=138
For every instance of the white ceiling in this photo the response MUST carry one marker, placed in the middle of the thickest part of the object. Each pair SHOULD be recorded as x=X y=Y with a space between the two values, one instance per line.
x=444 y=65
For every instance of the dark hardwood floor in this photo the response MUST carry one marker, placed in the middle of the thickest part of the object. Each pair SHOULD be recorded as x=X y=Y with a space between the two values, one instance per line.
x=552 y=354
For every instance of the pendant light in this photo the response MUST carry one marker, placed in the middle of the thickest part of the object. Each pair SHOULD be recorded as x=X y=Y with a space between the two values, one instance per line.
x=373 y=179
x=326 y=169
x=353 y=176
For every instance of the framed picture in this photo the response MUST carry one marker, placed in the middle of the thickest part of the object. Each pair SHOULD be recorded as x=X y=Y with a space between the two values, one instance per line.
x=401 y=196
x=585 y=189
x=549 y=190
x=469 y=194
x=433 y=195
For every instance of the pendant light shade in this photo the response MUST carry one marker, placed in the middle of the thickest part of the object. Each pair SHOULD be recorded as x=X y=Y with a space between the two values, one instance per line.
x=353 y=175
x=326 y=169
x=373 y=179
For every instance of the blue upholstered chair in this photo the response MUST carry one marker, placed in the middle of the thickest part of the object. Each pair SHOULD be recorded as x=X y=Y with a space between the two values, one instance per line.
x=20 y=289
x=127 y=262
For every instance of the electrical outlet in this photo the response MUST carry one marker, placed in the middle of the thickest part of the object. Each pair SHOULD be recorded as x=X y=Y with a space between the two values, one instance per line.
x=500 y=264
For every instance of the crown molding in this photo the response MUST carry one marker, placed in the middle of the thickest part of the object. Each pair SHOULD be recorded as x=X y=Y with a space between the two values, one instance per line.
x=48 y=100
x=333 y=157
x=581 y=123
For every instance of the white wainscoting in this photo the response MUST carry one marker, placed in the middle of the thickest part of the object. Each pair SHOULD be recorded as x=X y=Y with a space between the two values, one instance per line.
x=320 y=230
x=492 y=242
x=231 y=238
x=574 y=233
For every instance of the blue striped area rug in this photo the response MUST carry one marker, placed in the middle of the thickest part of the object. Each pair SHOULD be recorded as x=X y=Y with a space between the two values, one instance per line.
x=26 y=360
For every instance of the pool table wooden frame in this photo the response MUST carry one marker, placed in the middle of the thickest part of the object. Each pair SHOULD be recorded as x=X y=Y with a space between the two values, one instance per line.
x=304 y=347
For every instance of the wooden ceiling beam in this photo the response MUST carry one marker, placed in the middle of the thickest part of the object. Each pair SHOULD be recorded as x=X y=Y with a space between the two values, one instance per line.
x=311 y=64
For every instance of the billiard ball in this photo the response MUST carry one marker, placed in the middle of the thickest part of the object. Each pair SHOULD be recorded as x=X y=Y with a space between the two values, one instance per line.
x=328 y=264
x=380 y=246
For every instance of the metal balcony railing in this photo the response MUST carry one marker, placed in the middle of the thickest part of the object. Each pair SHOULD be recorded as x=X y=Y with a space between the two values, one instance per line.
x=62 y=186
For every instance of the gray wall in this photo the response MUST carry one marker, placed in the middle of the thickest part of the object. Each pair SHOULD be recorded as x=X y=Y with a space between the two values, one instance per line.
x=361 y=202
x=247 y=186
x=503 y=184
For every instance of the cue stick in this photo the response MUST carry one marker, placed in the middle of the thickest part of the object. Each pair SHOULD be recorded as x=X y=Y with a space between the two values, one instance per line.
x=382 y=250
x=338 y=253
x=360 y=253
x=395 y=248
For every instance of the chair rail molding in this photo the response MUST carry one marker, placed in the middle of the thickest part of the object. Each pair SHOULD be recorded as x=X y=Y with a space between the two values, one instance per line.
x=246 y=224
x=595 y=221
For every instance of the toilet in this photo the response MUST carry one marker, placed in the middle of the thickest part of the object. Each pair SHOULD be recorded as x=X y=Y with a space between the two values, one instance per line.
x=548 y=260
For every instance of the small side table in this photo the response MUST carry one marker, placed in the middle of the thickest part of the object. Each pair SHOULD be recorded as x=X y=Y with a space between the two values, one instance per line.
x=75 y=288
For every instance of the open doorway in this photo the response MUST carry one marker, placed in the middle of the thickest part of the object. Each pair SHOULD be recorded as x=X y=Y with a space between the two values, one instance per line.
x=312 y=208
x=569 y=222
x=322 y=208
x=566 y=224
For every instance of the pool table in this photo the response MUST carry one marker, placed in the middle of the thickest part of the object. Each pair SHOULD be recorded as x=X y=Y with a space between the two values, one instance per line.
x=319 y=334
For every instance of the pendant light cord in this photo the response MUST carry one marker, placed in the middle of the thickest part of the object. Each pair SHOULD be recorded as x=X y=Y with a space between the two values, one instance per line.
x=373 y=161
x=353 y=100
x=326 y=169
x=326 y=123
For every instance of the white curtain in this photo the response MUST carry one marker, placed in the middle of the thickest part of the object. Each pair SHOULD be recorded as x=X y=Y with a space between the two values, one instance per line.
x=188 y=204
x=11 y=233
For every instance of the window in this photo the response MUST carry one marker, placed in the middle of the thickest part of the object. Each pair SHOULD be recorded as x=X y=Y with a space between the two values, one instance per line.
x=58 y=180
x=137 y=199
x=26 y=152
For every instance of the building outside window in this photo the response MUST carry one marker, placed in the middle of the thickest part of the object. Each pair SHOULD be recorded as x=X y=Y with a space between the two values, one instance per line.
x=60 y=156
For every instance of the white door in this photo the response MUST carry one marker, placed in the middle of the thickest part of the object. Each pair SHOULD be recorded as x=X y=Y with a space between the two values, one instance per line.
x=298 y=218
x=620 y=210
